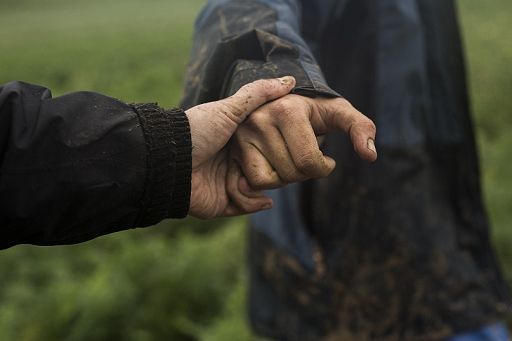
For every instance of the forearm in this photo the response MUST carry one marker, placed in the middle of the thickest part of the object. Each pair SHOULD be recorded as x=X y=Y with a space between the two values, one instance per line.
x=84 y=165
x=237 y=42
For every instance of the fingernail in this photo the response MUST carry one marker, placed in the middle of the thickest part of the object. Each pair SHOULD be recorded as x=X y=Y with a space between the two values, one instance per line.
x=266 y=207
x=371 y=145
x=288 y=80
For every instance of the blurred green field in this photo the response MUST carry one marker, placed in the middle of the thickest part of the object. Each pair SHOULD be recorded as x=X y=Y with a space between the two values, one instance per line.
x=182 y=280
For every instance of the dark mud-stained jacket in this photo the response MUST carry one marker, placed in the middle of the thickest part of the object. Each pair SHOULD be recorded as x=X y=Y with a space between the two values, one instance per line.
x=396 y=250
x=82 y=165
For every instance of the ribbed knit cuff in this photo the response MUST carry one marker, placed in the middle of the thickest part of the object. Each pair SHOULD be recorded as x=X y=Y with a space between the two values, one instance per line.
x=169 y=163
x=182 y=186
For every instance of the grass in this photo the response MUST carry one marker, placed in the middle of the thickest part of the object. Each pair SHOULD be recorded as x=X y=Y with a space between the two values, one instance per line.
x=131 y=49
x=489 y=49
x=182 y=280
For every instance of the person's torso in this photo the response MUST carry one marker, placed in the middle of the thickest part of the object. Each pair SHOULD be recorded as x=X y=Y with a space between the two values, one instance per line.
x=399 y=249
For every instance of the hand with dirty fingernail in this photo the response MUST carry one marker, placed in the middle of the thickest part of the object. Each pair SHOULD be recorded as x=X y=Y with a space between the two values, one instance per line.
x=211 y=127
x=278 y=144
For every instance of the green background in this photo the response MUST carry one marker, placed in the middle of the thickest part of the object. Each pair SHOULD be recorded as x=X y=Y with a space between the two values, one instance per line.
x=182 y=280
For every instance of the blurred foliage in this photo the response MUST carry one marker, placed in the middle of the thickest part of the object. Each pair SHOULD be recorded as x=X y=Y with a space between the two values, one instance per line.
x=488 y=40
x=181 y=280
x=170 y=283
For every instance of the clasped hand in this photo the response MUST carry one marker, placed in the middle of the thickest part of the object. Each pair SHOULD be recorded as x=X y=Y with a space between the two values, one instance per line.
x=262 y=138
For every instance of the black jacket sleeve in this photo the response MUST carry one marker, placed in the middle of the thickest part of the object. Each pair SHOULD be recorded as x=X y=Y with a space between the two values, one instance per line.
x=83 y=165
x=239 y=41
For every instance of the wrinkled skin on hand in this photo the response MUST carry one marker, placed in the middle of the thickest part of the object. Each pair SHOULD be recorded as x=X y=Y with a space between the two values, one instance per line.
x=211 y=127
x=278 y=145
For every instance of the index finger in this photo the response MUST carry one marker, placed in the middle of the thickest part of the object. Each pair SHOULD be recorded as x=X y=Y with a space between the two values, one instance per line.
x=362 y=131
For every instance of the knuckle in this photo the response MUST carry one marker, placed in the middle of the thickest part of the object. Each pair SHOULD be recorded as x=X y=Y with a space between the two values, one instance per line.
x=307 y=163
x=259 y=180
x=291 y=107
x=283 y=105
x=259 y=83
x=344 y=103
x=371 y=125
x=366 y=124
x=291 y=176
x=261 y=87
x=282 y=114
x=259 y=120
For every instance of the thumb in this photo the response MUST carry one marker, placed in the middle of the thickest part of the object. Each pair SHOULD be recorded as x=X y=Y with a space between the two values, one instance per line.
x=340 y=114
x=212 y=124
x=253 y=95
